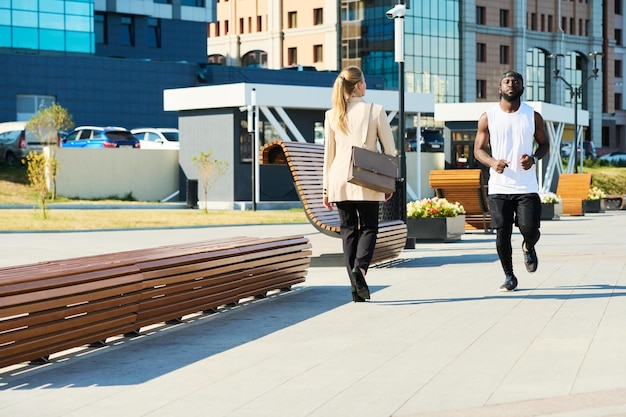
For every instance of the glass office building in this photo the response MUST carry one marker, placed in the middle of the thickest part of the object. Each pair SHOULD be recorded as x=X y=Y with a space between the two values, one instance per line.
x=431 y=44
x=432 y=49
x=48 y=25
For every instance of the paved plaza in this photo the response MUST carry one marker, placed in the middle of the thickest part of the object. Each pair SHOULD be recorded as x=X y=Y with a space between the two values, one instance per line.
x=436 y=339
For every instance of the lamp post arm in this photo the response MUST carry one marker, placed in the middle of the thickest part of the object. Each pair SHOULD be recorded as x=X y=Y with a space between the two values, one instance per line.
x=558 y=77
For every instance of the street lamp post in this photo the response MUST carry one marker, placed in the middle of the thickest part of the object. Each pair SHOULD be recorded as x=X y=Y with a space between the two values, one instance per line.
x=397 y=14
x=576 y=94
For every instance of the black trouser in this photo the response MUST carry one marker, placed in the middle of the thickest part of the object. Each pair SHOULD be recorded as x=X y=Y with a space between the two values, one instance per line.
x=522 y=210
x=358 y=229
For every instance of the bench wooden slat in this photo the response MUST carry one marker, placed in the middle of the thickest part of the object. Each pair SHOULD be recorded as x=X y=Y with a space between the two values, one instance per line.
x=56 y=342
x=573 y=189
x=465 y=186
x=306 y=162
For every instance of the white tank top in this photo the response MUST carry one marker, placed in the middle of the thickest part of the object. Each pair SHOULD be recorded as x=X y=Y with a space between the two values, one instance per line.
x=510 y=136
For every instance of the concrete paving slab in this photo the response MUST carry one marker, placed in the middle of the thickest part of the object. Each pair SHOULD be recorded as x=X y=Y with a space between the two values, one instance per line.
x=437 y=338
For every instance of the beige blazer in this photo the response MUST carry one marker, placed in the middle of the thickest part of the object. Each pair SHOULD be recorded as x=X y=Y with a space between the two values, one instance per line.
x=338 y=149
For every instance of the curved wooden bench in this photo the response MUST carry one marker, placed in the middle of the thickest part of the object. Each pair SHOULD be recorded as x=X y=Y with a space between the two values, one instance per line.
x=306 y=163
x=52 y=306
x=467 y=187
x=573 y=189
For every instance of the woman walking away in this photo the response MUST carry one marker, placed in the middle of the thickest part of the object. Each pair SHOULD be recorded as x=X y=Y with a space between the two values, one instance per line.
x=353 y=122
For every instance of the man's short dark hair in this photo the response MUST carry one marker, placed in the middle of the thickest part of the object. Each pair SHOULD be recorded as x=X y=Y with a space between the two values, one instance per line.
x=511 y=73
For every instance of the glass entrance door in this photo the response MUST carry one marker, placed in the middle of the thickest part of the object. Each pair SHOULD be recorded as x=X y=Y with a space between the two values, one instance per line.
x=463 y=152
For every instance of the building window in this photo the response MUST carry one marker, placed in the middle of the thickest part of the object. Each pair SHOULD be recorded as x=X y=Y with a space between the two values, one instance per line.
x=292 y=56
x=254 y=59
x=618 y=102
x=535 y=82
x=572 y=26
x=504 y=54
x=351 y=11
x=249 y=24
x=618 y=68
x=350 y=49
x=193 y=3
x=154 y=32
x=550 y=23
x=481 y=89
x=292 y=20
x=481 y=13
x=533 y=21
x=481 y=52
x=564 y=24
x=259 y=24
x=241 y=28
x=580 y=27
x=318 y=16
x=543 y=22
x=163 y=1
x=217 y=59
x=504 y=18
x=225 y=27
x=100 y=28
x=128 y=31
x=28 y=105
x=618 y=7
x=318 y=53
x=618 y=36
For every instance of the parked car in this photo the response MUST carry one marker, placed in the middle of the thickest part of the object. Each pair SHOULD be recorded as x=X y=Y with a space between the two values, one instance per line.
x=614 y=157
x=13 y=145
x=157 y=137
x=566 y=149
x=588 y=147
x=431 y=140
x=99 y=137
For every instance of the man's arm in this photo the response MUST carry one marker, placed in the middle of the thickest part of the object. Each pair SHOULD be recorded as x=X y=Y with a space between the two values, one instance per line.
x=543 y=145
x=480 y=146
x=540 y=137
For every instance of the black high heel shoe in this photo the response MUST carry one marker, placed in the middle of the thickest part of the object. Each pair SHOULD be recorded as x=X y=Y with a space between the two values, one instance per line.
x=356 y=297
x=362 y=289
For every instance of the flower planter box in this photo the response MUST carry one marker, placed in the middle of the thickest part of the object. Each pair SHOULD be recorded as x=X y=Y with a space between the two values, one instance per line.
x=436 y=229
x=551 y=211
x=592 y=206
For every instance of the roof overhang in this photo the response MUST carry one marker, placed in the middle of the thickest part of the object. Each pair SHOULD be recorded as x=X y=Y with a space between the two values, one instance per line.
x=286 y=96
x=466 y=112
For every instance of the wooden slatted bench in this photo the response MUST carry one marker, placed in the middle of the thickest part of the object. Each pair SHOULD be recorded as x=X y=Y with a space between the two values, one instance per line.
x=573 y=189
x=52 y=306
x=306 y=163
x=615 y=202
x=465 y=186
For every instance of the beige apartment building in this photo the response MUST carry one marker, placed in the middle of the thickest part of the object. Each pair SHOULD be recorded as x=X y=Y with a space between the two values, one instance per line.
x=453 y=49
x=275 y=34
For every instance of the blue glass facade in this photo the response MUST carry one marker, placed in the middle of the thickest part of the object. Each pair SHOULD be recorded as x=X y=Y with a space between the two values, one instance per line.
x=48 y=25
x=432 y=49
x=431 y=44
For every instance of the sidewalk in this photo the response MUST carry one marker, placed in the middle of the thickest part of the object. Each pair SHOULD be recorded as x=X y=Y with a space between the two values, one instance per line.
x=437 y=338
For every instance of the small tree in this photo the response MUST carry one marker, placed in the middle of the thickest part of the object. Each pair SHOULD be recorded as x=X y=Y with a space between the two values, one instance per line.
x=45 y=126
x=37 y=165
x=210 y=170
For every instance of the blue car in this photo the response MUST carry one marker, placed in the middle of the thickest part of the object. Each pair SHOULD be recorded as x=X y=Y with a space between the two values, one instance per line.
x=99 y=137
